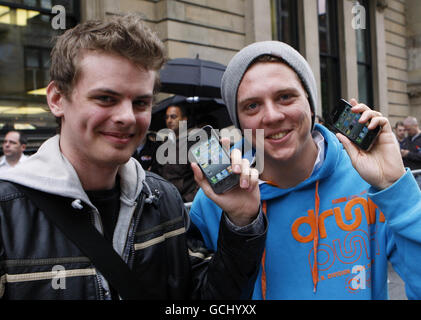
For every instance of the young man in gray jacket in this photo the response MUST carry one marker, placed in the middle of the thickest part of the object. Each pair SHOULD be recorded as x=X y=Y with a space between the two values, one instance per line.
x=103 y=80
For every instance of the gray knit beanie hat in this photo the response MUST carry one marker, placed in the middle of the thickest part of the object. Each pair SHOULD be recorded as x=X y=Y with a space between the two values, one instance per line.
x=240 y=63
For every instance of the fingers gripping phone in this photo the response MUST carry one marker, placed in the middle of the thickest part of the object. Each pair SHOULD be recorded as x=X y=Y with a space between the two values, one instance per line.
x=346 y=122
x=215 y=163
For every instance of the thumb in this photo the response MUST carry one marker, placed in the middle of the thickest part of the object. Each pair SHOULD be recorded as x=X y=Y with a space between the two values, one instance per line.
x=198 y=175
x=201 y=180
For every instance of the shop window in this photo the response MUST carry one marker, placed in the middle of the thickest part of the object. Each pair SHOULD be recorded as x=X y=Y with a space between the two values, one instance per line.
x=26 y=34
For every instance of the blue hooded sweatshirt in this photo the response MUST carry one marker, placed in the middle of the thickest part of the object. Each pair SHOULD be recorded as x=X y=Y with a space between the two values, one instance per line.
x=359 y=230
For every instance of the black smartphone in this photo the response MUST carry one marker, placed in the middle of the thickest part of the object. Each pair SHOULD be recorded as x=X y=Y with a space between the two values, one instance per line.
x=214 y=162
x=346 y=122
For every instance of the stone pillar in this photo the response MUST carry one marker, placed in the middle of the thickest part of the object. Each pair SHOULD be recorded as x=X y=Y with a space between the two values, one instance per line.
x=309 y=41
x=378 y=40
x=257 y=20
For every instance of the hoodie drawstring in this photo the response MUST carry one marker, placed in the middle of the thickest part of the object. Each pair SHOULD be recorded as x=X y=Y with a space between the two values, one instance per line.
x=151 y=198
x=263 y=281
x=77 y=204
x=314 y=271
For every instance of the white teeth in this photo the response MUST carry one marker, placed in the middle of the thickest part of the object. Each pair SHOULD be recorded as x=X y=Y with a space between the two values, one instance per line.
x=279 y=135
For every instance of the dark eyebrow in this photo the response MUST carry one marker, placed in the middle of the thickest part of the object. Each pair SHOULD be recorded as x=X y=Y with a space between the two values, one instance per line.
x=242 y=102
x=104 y=90
x=114 y=93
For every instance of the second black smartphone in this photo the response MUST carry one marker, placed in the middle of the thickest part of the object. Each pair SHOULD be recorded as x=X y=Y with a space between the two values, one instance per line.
x=346 y=122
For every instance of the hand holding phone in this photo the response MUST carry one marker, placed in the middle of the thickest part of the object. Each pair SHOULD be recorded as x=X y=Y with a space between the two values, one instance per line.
x=346 y=122
x=226 y=179
x=381 y=164
x=214 y=161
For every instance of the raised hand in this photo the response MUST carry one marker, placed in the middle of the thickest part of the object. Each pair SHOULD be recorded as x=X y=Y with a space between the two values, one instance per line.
x=241 y=204
x=382 y=165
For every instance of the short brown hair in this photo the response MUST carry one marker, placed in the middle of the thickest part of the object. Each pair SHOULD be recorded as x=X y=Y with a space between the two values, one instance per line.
x=126 y=36
x=399 y=124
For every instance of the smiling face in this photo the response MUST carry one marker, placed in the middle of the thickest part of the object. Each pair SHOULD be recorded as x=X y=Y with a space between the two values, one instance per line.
x=108 y=111
x=271 y=97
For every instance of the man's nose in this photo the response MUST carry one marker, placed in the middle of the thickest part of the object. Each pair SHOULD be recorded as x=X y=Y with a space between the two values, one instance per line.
x=272 y=112
x=124 y=113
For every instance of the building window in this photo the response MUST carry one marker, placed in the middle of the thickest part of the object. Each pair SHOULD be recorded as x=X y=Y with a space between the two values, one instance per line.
x=26 y=35
x=285 y=22
x=37 y=66
x=329 y=55
x=365 y=86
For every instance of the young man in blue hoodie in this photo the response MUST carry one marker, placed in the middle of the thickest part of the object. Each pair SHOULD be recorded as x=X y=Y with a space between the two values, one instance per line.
x=337 y=214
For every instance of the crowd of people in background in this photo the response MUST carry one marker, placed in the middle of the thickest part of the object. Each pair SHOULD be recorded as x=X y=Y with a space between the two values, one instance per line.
x=408 y=134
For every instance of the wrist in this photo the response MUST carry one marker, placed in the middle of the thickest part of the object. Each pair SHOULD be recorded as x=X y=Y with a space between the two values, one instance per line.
x=386 y=184
x=241 y=220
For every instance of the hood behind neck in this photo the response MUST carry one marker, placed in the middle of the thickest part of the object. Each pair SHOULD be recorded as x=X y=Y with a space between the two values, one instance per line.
x=49 y=171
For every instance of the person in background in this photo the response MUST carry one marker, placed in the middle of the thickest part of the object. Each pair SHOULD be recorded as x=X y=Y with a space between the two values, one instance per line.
x=179 y=174
x=145 y=153
x=400 y=132
x=14 y=145
x=411 y=145
x=173 y=116
x=337 y=214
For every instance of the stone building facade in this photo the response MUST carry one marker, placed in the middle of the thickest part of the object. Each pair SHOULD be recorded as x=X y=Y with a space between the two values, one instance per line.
x=367 y=49
x=216 y=30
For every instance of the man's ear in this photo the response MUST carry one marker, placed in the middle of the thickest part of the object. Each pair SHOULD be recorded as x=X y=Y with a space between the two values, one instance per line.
x=55 y=100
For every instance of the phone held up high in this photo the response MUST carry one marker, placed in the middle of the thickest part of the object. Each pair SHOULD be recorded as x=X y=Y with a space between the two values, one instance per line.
x=346 y=122
x=214 y=162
